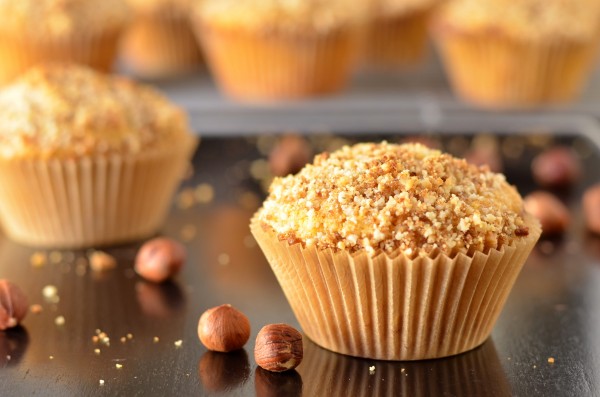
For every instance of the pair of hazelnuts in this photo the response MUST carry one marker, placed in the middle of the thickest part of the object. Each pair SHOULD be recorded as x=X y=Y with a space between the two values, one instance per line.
x=224 y=329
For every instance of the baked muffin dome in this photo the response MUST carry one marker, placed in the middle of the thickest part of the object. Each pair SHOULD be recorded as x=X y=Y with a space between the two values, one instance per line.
x=72 y=111
x=59 y=18
x=387 y=197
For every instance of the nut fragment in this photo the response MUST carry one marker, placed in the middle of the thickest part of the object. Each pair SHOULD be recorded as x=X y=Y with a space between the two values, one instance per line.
x=278 y=348
x=223 y=329
x=557 y=167
x=551 y=212
x=13 y=304
x=159 y=259
x=289 y=155
x=591 y=208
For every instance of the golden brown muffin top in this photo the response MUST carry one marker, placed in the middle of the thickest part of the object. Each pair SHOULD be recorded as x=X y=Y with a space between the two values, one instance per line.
x=283 y=15
x=72 y=111
x=60 y=18
x=384 y=197
x=399 y=7
x=151 y=6
x=525 y=19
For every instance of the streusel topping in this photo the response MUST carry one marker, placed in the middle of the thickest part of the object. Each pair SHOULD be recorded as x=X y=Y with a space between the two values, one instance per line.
x=400 y=7
x=72 y=111
x=385 y=197
x=285 y=15
x=152 y=6
x=61 y=18
x=526 y=19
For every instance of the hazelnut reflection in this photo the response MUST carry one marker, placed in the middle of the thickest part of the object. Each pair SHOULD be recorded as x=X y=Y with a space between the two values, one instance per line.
x=159 y=300
x=272 y=384
x=13 y=344
x=220 y=372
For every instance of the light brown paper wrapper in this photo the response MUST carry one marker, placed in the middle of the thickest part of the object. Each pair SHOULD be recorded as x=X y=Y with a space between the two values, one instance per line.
x=398 y=40
x=395 y=308
x=259 y=66
x=19 y=52
x=161 y=45
x=90 y=201
x=495 y=71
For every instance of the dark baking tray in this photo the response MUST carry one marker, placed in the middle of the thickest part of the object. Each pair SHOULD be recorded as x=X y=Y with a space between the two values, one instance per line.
x=553 y=311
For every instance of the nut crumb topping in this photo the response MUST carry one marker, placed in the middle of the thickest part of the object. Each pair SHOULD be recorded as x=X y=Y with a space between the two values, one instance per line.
x=387 y=197
x=70 y=111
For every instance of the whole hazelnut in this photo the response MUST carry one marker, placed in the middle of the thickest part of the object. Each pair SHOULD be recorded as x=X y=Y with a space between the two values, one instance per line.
x=223 y=329
x=289 y=155
x=278 y=348
x=557 y=167
x=159 y=259
x=591 y=208
x=549 y=210
x=13 y=305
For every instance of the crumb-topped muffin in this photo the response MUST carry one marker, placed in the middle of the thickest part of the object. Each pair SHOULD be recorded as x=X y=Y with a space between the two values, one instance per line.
x=397 y=32
x=272 y=49
x=511 y=54
x=87 y=158
x=37 y=31
x=399 y=226
x=160 y=42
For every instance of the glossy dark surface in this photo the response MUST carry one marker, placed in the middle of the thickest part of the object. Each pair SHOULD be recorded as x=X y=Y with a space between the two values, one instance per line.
x=553 y=310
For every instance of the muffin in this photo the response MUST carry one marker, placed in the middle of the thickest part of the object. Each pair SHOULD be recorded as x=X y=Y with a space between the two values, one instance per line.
x=277 y=49
x=81 y=31
x=397 y=32
x=514 y=54
x=160 y=43
x=395 y=252
x=87 y=159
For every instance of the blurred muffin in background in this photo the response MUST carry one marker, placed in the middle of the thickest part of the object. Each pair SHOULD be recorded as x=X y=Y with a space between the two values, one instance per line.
x=80 y=31
x=87 y=159
x=513 y=54
x=280 y=49
x=397 y=32
x=160 y=42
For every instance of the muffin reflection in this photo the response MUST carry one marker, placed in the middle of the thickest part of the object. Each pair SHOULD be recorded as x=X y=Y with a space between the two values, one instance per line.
x=470 y=374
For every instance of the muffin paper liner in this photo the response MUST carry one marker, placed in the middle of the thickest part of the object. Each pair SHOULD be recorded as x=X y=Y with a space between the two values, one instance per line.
x=90 y=201
x=472 y=374
x=275 y=65
x=493 y=70
x=398 y=40
x=18 y=52
x=393 y=307
x=160 y=45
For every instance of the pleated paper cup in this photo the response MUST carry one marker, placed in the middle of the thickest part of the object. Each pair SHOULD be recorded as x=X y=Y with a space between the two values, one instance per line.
x=161 y=45
x=393 y=307
x=19 y=52
x=475 y=373
x=263 y=66
x=92 y=201
x=397 y=40
x=492 y=70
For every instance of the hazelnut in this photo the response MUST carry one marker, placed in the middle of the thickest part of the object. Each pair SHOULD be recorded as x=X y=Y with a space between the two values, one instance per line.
x=159 y=259
x=223 y=329
x=13 y=305
x=278 y=348
x=557 y=167
x=220 y=372
x=551 y=212
x=591 y=208
x=481 y=156
x=289 y=155
x=101 y=261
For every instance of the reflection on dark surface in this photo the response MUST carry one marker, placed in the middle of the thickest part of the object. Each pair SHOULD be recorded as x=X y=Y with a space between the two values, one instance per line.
x=159 y=300
x=475 y=373
x=220 y=372
x=13 y=343
x=273 y=384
